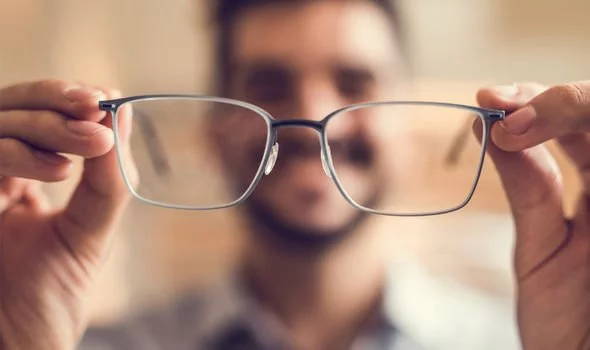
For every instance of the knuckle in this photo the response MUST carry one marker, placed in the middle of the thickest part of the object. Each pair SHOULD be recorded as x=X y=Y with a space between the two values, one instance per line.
x=570 y=98
x=571 y=94
x=577 y=93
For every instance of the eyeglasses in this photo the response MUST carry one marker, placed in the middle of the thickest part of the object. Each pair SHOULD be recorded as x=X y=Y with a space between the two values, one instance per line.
x=388 y=158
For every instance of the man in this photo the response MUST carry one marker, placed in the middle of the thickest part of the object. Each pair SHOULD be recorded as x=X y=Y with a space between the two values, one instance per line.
x=50 y=257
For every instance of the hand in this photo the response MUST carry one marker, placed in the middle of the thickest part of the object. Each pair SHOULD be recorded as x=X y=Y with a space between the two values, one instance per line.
x=552 y=253
x=49 y=257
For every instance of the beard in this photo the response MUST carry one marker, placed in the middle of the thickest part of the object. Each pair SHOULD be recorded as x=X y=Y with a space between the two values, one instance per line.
x=265 y=219
x=267 y=225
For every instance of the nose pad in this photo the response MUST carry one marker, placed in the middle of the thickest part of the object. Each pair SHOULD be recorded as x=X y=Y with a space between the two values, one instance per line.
x=274 y=154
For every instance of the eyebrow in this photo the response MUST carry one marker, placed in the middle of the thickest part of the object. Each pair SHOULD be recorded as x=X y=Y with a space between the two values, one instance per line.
x=357 y=70
x=261 y=66
x=266 y=71
x=270 y=64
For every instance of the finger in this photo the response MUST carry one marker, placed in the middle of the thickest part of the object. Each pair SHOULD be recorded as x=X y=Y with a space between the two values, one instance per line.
x=556 y=112
x=54 y=132
x=14 y=190
x=533 y=185
x=20 y=160
x=509 y=97
x=512 y=97
x=75 y=100
x=87 y=221
x=34 y=197
x=11 y=188
x=577 y=147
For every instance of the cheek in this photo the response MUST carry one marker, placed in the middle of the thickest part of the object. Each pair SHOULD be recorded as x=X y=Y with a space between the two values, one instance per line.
x=241 y=156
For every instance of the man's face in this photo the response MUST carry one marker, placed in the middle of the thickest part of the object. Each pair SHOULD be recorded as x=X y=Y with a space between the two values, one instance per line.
x=305 y=60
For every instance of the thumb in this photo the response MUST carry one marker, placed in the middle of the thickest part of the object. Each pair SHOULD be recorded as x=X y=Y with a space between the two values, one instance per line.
x=533 y=185
x=87 y=222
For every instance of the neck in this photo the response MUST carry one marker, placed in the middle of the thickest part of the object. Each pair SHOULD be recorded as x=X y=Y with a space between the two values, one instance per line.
x=323 y=296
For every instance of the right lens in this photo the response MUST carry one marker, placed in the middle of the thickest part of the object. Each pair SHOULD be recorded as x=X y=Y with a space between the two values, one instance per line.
x=181 y=148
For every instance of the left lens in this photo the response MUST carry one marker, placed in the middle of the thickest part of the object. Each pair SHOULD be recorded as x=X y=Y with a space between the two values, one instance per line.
x=405 y=159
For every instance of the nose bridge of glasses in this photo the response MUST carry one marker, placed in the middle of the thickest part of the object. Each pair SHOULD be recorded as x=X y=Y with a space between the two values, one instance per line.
x=300 y=123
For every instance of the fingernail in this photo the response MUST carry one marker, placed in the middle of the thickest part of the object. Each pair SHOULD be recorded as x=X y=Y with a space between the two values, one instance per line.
x=50 y=158
x=76 y=94
x=82 y=127
x=520 y=121
x=506 y=91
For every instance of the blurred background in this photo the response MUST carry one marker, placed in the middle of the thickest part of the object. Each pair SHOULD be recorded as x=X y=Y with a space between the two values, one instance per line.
x=151 y=46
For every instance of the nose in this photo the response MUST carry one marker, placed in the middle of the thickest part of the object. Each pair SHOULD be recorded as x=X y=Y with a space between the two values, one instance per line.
x=317 y=97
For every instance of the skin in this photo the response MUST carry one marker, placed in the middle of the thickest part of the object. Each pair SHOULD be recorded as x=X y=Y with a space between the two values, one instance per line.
x=552 y=251
x=291 y=229
x=49 y=257
x=291 y=82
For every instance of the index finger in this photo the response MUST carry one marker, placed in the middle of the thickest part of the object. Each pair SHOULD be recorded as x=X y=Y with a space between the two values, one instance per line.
x=72 y=99
x=559 y=111
x=509 y=97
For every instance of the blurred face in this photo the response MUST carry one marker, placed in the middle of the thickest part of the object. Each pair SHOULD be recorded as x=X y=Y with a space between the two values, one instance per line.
x=305 y=60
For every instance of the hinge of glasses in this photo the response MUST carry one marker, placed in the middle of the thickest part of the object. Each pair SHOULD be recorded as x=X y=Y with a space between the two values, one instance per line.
x=497 y=116
x=106 y=106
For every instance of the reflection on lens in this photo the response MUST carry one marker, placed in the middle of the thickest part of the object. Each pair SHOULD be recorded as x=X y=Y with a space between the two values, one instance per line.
x=182 y=147
x=405 y=158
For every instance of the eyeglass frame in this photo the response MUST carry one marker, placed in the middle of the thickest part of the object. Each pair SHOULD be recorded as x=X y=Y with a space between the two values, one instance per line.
x=488 y=117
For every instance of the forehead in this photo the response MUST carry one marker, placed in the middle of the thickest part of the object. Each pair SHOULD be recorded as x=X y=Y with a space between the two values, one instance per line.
x=312 y=33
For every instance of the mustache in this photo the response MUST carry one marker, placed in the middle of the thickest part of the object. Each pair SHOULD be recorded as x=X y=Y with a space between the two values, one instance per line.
x=298 y=237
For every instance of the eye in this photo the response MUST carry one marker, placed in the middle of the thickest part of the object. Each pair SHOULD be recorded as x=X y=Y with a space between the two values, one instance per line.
x=268 y=85
x=355 y=84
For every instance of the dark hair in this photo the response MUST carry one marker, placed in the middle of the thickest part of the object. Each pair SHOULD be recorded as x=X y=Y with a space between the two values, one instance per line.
x=226 y=12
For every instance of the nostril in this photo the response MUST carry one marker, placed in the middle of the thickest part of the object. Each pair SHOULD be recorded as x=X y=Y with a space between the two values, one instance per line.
x=274 y=153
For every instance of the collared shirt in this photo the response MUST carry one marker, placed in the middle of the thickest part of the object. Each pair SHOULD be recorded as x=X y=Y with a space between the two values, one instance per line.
x=226 y=317
x=419 y=312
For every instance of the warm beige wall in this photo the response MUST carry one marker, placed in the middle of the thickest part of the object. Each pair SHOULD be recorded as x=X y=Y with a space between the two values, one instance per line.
x=155 y=46
x=499 y=40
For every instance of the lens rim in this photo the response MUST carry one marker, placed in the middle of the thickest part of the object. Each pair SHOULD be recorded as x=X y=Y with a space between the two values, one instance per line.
x=115 y=107
x=487 y=116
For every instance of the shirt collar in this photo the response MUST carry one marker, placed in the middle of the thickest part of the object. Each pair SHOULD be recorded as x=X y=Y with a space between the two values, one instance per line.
x=235 y=317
